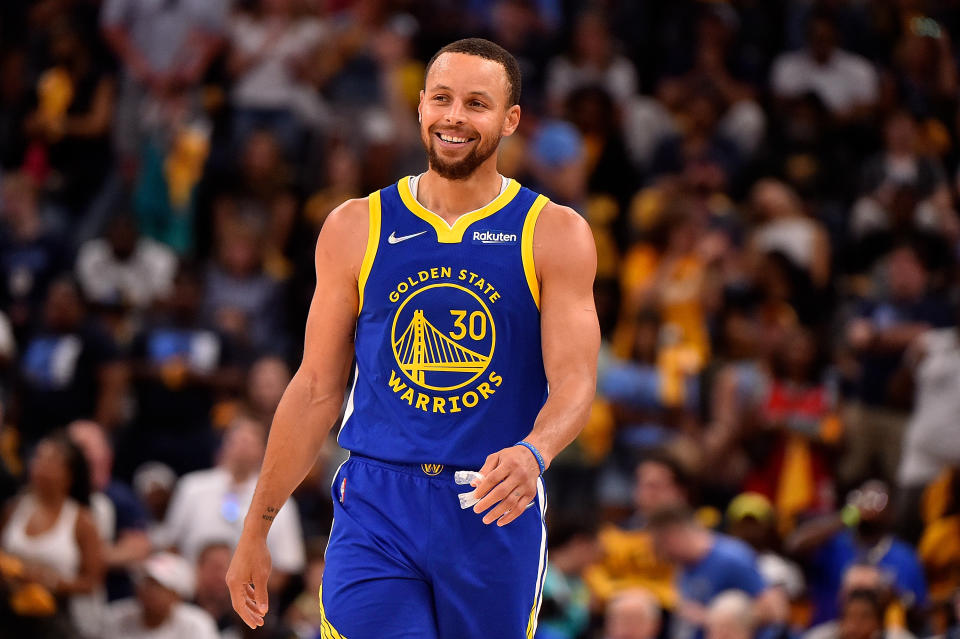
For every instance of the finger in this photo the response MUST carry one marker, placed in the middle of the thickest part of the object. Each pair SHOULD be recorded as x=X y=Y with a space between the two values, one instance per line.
x=489 y=464
x=490 y=479
x=250 y=609
x=510 y=503
x=521 y=508
x=498 y=494
x=260 y=593
x=237 y=600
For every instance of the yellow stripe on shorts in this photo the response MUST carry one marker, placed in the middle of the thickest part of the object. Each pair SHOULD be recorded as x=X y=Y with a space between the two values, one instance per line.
x=327 y=631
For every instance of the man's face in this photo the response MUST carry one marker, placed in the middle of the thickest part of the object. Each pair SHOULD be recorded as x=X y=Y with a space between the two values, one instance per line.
x=464 y=113
x=656 y=488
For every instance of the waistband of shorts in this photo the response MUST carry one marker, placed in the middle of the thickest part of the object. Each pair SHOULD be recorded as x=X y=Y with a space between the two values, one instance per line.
x=434 y=471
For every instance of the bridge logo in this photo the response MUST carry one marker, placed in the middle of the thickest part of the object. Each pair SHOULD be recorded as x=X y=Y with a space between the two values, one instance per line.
x=443 y=336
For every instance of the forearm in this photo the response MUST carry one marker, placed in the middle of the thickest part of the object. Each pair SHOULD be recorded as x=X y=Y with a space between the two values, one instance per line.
x=564 y=415
x=301 y=424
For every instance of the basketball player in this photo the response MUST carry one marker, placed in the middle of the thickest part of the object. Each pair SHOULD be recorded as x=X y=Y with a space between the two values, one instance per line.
x=463 y=296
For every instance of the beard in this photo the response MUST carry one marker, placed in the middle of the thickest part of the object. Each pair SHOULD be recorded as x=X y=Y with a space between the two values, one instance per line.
x=460 y=169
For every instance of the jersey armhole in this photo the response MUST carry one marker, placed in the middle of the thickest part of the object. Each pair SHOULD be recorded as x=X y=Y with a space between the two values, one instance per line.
x=526 y=247
x=373 y=241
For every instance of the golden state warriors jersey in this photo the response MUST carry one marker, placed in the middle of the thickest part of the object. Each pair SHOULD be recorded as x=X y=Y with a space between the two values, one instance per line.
x=449 y=366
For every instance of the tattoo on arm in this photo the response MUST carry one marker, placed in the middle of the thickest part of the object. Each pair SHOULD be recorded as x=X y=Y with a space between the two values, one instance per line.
x=270 y=514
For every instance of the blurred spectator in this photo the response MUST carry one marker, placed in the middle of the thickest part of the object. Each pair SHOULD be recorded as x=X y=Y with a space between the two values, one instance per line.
x=829 y=545
x=557 y=162
x=741 y=118
x=565 y=611
x=50 y=529
x=120 y=517
x=270 y=48
x=632 y=614
x=784 y=227
x=31 y=253
x=878 y=336
x=180 y=365
x=14 y=106
x=939 y=545
x=70 y=127
x=924 y=75
x=751 y=518
x=709 y=563
x=730 y=616
x=303 y=615
x=628 y=557
x=211 y=593
x=209 y=505
x=165 y=49
x=260 y=197
x=905 y=190
x=160 y=611
x=124 y=268
x=862 y=616
x=860 y=579
x=799 y=434
x=69 y=368
x=241 y=299
x=930 y=443
x=592 y=60
x=154 y=482
x=846 y=82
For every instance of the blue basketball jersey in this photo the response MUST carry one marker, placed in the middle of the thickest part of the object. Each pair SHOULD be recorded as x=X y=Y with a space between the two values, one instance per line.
x=449 y=365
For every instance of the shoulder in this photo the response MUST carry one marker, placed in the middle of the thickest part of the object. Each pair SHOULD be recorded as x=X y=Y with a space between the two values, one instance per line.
x=345 y=232
x=734 y=550
x=562 y=232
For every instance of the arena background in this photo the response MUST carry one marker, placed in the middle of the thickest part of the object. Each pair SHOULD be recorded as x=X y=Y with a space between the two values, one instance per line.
x=772 y=186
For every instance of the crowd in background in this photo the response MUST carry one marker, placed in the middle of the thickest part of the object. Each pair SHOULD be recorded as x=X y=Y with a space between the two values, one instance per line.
x=774 y=450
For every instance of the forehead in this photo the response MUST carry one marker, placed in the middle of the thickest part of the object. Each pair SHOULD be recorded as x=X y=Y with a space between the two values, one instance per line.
x=464 y=73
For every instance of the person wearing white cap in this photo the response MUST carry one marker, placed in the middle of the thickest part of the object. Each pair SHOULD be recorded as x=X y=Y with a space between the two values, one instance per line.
x=159 y=611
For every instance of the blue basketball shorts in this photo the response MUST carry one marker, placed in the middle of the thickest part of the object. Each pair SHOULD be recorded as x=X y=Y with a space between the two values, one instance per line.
x=404 y=561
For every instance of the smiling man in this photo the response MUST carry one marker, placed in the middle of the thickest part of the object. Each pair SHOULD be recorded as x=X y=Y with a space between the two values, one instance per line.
x=463 y=296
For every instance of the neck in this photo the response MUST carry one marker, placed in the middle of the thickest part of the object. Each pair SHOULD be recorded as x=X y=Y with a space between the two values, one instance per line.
x=452 y=198
x=154 y=619
x=50 y=499
x=240 y=474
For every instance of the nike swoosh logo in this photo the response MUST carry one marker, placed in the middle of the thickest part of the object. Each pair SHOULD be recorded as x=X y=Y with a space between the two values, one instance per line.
x=393 y=239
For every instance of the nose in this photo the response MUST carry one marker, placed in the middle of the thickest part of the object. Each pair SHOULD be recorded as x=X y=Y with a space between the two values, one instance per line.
x=454 y=114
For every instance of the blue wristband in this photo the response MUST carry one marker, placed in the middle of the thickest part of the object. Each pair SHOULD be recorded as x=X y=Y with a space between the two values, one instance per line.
x=536 y=453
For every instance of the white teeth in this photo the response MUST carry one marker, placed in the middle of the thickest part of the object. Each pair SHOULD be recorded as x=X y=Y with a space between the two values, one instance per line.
x=447 y=138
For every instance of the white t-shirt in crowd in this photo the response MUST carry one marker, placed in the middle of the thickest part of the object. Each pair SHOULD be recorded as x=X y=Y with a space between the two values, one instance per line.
x=125 y=621
x=138 y=281
x=846 y=81
x=932 y=440
x=207 y=507
x=269 y=83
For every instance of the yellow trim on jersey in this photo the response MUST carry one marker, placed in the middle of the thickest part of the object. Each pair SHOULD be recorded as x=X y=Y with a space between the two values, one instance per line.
x=526 y=247
x=327 y=631
x=373 y=240
x=447 y=234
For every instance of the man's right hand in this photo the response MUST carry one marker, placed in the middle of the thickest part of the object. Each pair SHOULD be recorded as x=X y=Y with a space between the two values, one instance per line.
x=247 y=580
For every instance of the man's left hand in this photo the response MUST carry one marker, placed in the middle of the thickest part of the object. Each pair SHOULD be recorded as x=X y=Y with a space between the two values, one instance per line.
x=509 y=484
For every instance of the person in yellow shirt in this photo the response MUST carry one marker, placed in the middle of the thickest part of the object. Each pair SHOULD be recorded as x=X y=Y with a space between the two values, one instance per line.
x=627 y=555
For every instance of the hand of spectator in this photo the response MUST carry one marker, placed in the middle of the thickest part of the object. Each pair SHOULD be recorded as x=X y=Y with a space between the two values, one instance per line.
x=247 y=580
x=509 y=484
x=692 y=612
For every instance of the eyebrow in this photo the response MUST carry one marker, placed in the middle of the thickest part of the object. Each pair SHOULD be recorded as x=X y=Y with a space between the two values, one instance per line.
x=484 y=94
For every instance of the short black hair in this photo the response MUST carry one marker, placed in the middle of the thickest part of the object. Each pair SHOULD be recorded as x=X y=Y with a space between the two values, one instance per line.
x=488 y=51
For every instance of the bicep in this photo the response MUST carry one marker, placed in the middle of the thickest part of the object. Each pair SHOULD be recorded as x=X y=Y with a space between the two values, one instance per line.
x=332 y=319
x=570 y=331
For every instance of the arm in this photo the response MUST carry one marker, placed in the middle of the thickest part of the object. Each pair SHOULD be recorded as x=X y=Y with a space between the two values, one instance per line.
x=313 y=397
x=566 y=262
x=96 y=121
x=91 y=558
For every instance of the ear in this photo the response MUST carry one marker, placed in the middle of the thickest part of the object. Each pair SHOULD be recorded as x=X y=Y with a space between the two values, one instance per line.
x=511 y=121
